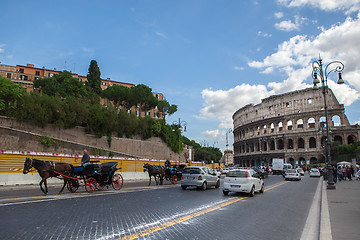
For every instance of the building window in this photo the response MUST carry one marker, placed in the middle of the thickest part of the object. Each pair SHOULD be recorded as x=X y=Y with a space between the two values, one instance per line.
x=24 y=77
x=8 y=75
x=37 y=73
x=51 y=74
x=138 y=113
x=21 y=70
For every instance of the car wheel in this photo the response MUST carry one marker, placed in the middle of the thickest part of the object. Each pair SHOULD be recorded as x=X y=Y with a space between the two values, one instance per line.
x=262 y=189
x=225 y=193
x=286 y=179
x=204 y=186
x=183 y=187
x=252 y=192
x=217 y=184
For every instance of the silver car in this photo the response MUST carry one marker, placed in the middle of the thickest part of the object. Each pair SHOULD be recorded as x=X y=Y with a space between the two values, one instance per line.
x=199 y=176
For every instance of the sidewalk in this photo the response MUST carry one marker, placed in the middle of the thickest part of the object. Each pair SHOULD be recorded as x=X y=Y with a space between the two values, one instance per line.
x=344 y=210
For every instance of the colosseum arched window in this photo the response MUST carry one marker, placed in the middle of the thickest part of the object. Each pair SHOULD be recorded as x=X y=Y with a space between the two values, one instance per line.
x=252 y=148
x=290 y=144
x=257 y=146
x=272 y=145
x=311 y=122
x=289 y=125
x=264 y=148
x=312 y=142
x=300 y=123
x=351 y=139
x=264 y=128
x=258 y=130
x=338 y=139
x=272 y=127
x=322 y=121
x=280 y=144
x=335 y=120
x=280 y=126
x=301 y=143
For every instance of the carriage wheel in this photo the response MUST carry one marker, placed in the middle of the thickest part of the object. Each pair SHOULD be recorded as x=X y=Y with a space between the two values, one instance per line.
x=72 y=186
x=90 y=185
x=117 y=181
x=174 y=179
x=100 y=186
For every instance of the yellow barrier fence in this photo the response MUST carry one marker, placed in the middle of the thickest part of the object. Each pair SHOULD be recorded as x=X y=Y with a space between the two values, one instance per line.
x=13 y=162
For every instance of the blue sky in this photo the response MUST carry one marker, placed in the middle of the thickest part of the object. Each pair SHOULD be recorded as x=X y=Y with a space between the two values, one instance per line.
x=209 y=57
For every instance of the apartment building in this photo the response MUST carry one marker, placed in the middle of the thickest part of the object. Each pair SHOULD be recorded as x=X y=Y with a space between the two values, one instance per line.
x=26 y=75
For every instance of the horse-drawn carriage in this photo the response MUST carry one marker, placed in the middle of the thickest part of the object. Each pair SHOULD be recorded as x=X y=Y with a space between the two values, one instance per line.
x=167 y=172
x=93 y=176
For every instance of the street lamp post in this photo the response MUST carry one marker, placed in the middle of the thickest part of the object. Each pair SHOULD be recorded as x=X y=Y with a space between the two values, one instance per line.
x=227 y=145
x=180 y=124
x=318 y=70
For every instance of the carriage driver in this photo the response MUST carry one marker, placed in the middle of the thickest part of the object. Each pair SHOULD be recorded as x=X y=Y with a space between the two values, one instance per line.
x=85 y=158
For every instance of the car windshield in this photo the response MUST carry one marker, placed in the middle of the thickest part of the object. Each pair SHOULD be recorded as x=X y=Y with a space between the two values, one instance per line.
x=237 y=174
x=192 y=170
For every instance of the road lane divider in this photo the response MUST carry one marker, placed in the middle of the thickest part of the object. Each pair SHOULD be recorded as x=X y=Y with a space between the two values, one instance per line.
x=187 y=217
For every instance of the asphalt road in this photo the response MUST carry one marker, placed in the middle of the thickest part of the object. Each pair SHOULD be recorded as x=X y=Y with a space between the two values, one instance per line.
x=157 y=212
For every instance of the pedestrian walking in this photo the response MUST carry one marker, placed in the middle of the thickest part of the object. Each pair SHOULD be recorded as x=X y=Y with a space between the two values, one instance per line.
x=343 y=171
x=348 y=173
x=357 y=175
x=334 y=172
x=339 y=174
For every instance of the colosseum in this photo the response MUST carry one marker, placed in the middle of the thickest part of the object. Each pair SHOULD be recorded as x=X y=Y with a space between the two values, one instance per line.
x=290 y=126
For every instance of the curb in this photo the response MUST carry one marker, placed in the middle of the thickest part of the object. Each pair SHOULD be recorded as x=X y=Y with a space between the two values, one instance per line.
x=325 y=225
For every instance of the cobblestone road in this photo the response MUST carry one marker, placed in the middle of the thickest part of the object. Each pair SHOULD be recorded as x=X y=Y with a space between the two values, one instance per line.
x=160 y=212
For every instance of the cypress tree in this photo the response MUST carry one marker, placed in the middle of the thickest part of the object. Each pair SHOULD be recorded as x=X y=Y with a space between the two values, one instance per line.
x=93 y=77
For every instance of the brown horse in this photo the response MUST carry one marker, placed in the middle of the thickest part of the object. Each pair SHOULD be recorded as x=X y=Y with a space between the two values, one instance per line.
x=49 y=169
x=156 y=171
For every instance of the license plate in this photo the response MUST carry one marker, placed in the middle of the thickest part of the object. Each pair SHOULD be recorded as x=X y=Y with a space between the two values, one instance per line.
x=235 y=186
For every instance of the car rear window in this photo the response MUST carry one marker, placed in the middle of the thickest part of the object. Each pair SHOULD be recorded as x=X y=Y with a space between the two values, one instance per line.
x=291 y=171
x=237 y=174
x=192 y=170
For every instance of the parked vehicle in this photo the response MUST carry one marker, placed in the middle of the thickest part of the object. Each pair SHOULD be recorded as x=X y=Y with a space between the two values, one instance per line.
x=224 y=171
x=199 y=176
x=301 y=171
x=277 y=166
x=314 y=172
x=292 y=174
x=241 y=180
x=263 y=174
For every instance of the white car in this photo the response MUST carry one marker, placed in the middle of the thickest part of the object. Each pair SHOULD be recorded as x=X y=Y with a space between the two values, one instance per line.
x=241 y=180
x=224 y=171
x=292 y=174
x=314 y=172
x=200 y=177
x=301 y=171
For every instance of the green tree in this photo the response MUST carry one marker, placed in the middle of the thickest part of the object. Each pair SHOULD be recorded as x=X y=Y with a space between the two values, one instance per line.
x=93 y=78
x=10 y=93
x=62 y=84
x=165 y=108
x=118 y=94
x=141 y=96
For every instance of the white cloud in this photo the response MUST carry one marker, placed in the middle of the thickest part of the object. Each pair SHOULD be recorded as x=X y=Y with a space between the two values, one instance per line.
x=327 y=5
x=160 y=34
x=289 y=26
x=262 y=34
x=213 y=134
x=293 y=58
x=279 y=14
x=237 y=68
x=221 y=104
x=2 y=47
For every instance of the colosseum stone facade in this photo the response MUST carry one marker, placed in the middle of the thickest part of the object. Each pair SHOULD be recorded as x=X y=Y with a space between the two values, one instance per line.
x=289 y=126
